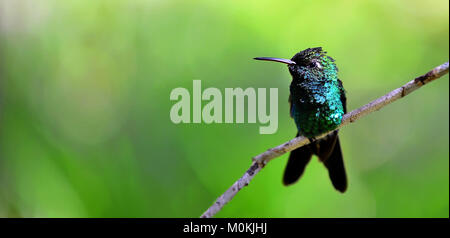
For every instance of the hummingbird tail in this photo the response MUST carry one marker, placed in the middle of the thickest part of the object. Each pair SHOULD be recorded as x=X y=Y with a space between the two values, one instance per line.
x=329 y=152
x=298 y=159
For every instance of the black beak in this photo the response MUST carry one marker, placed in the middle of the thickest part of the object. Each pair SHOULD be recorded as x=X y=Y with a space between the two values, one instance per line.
x=284 y=61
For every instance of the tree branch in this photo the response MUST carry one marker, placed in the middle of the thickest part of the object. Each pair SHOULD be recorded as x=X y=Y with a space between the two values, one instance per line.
x=261 y=160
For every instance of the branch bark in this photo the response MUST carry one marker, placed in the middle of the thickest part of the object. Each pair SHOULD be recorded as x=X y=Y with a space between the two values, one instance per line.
x=261 y=160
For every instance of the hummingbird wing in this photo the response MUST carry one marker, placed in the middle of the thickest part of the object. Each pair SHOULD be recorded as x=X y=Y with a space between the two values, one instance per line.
x=343 y=97
x=336 y=169
x=290 y=106
x=329 y=152
x=298 y=159
x=333 y=159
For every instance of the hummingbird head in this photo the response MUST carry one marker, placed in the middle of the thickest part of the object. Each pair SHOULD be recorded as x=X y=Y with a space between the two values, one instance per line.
x=309 y=64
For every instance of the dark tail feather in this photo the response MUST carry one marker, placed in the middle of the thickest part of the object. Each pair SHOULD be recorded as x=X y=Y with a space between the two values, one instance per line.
x=334 y=163
x=298 y=159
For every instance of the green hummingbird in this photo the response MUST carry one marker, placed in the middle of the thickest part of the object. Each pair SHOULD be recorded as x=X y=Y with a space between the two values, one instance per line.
x=317 y=105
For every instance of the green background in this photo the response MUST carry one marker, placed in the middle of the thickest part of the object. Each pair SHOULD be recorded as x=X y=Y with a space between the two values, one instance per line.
x=84 y=107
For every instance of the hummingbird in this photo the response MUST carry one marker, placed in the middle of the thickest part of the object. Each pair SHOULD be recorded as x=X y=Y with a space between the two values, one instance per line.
x=317 y=104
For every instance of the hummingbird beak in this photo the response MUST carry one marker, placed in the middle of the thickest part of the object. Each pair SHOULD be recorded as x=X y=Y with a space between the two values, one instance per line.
x=284 y=61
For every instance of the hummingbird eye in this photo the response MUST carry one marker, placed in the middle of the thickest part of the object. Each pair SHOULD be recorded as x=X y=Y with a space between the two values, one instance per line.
x=315 y=64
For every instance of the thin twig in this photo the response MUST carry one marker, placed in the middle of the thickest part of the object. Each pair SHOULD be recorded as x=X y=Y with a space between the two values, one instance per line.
x=261 y=160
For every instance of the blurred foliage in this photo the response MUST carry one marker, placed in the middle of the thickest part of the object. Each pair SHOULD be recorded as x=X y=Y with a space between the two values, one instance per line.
x=84 y=107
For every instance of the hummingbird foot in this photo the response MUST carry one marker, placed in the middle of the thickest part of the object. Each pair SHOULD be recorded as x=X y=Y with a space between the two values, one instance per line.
x=312 y=140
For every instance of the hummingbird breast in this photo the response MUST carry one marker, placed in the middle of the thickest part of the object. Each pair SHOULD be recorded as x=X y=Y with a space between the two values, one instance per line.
x=316 y=106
